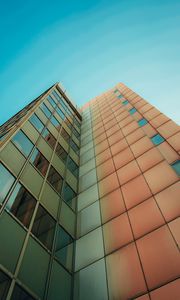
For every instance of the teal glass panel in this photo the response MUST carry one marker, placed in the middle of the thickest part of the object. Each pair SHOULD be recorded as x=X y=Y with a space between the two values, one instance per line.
x=21 y=204
x=142 y=122
x=74 y=147
x=55 y=122
x=132 y=110
x=20 y=294
x=45 y=110
x=73 y=167
x=76 y=133
x=60 y=113
x=125 y=102
x=51 y=101
x=34 y=267
x=6 y=181
x=36 y=123
x=68 y=194
x=23 y=143
x=60 y=283
x=176 y=167
x=44 y=227
x=157 y=139
x=4 y=285
x=120 y=96
x=12 y=237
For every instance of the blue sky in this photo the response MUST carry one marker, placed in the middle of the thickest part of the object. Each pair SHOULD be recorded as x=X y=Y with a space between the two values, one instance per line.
x=89 y=46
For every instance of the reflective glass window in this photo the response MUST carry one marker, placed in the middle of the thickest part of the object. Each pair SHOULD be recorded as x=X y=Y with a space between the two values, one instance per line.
x=37 y=123
x=76 y=133
x=68 y=123
x=61 y=152
x=55 y=179
x=39 y=161
x=157 y=139
x=49 y=138
x=56 y=95
x=73 y=167
x=60 y=113
x=6 y=181
x=20 y=294
x=65 y=135
x=55 y=122
x=142 y=122
x=74 y=146
x=23 y=143
x=51 y=101
x=21 y=204
x=68 y=194
x=132 y=110
x=78 y=124
x=120 y=96
x=125 y=102
x=176 y=167
x=4 y=285
x=43 y=227
x=45 y=110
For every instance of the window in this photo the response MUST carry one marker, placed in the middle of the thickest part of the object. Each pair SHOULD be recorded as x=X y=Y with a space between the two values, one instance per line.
x=132 y=110
x=176 y=167
x=21 y=204
x=68 y=194
x=157 y=139
x=125 y=102
x=76 y=133
x=43 y=227
x=6 y=181
x=23 y=143
x=20 y=294
x=74 y=147
x=120 y=96
x=65 y=135
x=45 y=110
x=51 y=101
x=55 y=179
x=39 y=161
x=60 y=113
x=142 y=122
x=55 y=122
x=56 y=95
x=115 y=91
x=78 y=124
x=4 y=285
x=61 y=152
x=68 y=123
x=49 y=138
x=73 y=167
x=36 y=122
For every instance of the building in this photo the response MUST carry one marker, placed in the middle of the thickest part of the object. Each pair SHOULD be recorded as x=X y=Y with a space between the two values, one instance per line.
x=89 y=200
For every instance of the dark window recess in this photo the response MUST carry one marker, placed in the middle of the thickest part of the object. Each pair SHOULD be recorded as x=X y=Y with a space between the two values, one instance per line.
x=23 y=143
x=68 y=123
x=61 y=152
x=51 y=101
x=39 y=161
x=37 y=123
x=176 y=167
x=21 y=204
x=73 y=167
x=55 y=122
x=76 y=133
x=49 y=138
x=6 y=181
x=20 y=294
x=65 y=135
x=4 y=285
x=44 y=227
x=157 y=139
x=55 y=179
x=74 y=147
x=45 y=110
x=68 y=194
x=78 y=124
x=60 y=113
x=142 y=122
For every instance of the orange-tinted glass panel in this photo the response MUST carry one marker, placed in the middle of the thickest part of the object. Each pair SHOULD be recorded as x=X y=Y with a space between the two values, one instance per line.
x=100 y=138
x=126 y=121
x=128 y=172
x=159 y=120
x=101 y=147
x=152 y=113
x=159 y=256
x=105 y=169
x=135 y=136
x=130 y=128
x=119 y=146
x=149 y=130
x=103 y=156
x=175 y=227
x=174 y=141
x=149 y=159
x=141 y=146
x=168 y=129
x=112 y=130
x=144 y=297
x=122 y=158
x=167 y=292
x=108 y=184
x=115 y=138
x=168 y=152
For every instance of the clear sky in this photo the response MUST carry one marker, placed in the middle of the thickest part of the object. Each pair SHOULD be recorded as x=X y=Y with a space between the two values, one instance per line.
x=89 y=46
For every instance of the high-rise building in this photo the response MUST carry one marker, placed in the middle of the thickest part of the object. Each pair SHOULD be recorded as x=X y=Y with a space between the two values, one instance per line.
x=89 y=200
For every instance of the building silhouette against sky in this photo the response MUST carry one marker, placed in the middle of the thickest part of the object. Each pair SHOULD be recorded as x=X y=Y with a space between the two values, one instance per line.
x=89 y=200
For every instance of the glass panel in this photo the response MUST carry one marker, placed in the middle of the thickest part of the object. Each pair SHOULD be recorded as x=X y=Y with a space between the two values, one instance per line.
x=51 y=101
x=60 y=113
x=39 y=161
x=61 y=152
x=68 y=194
x=142 y=122
x=68 y=123
x=76 y=133
x=37 y=123
x=166 y=292
x=43 y=227
x=55 y=179
x=20 y=294
x=6 y=181
x=49 y=138
x=65 y=135
x=73 y=167
x=132 y=110
x=23 y=143
x=176 y=167
x=45 y=110
x=21 y=204
x=125 y=102
x=108 y=184
x=4 y=285
x=157 y=139
x=74 y=146
x=55 y=122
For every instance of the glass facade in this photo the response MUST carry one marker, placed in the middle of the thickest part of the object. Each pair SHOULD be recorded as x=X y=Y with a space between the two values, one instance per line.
x=89 y=201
